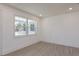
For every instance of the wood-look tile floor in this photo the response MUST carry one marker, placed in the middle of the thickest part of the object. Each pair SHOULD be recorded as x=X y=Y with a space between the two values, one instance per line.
x=46 y=49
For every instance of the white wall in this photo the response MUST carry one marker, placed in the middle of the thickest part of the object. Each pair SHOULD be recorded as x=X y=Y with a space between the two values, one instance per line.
x=0 y=33
x=10 y=42
x=62 y=29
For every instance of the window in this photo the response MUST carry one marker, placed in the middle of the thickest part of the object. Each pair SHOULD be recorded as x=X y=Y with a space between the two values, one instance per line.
x=32 y=26
x=24 y=26
x=20 y=26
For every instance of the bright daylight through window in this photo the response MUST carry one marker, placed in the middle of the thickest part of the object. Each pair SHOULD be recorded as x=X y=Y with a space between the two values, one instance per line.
x=32 y=26
x=24 y=26
x=20 y=26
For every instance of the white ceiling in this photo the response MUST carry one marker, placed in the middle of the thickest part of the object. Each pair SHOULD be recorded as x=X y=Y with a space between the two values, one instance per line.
x=46 y=9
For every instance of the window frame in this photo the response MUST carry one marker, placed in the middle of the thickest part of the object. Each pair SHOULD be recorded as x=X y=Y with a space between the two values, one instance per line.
x=27 y=34
x=36 y=26
x=26 y=28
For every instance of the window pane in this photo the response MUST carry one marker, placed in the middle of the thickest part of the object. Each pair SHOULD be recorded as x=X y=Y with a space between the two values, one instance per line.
x=20 y=26
x=32 y=26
